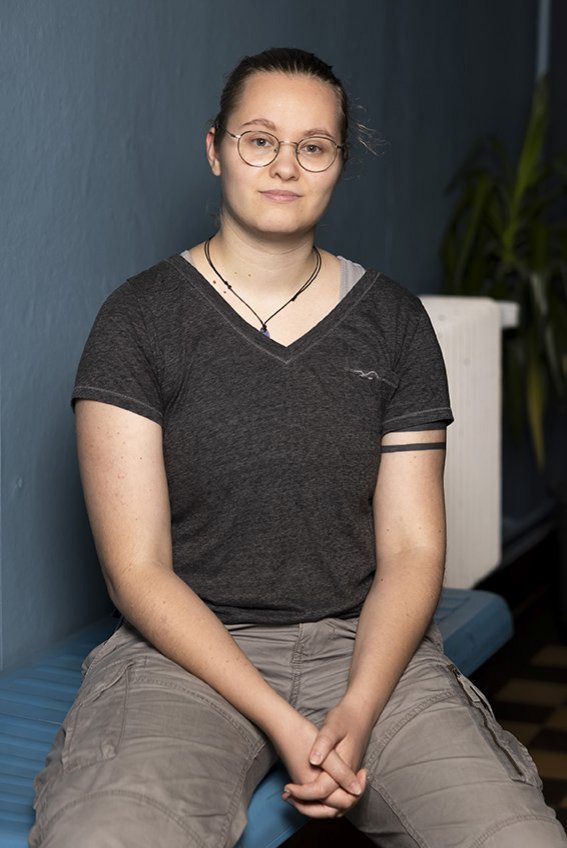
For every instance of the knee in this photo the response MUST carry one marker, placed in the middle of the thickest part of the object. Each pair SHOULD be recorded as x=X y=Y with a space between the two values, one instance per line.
x=526 y=832
x=120 y=820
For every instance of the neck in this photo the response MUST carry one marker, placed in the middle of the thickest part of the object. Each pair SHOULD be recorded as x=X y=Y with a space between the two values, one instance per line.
x=251 y=262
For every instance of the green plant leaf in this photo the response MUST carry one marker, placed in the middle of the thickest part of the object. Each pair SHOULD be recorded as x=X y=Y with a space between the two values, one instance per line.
x=507 y=238
x=477 y=206
x=529 y=164
x=532 y=150
x=535 y=399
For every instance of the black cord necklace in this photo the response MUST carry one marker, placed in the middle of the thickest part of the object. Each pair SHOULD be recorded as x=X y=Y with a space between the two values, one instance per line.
x=263 y=327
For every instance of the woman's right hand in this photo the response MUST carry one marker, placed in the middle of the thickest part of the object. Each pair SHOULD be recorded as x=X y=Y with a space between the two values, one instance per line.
x=333 y=787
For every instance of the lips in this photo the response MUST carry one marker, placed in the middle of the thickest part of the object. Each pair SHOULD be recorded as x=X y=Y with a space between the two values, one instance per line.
x=280 y=196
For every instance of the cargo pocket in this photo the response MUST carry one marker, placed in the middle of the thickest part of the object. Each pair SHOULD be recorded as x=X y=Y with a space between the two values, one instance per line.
x=512 y=754
x=346 y=627
x=99 y=652
x=95 y=724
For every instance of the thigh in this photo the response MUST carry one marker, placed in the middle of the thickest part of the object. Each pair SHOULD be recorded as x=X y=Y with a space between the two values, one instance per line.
x=444 y=774
x=148 y=755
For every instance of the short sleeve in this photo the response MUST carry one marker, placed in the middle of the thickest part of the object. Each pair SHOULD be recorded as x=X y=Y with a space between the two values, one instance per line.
x=119 y=361
x=422 y=394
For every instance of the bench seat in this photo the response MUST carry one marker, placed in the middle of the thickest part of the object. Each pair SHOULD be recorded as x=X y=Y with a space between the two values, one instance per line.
x=35 y=698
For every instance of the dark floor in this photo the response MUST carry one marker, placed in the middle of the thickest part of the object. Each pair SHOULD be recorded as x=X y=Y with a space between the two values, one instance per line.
x=526 y=682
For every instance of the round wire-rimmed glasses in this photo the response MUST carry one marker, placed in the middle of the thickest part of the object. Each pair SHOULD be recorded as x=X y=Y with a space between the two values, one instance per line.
x=259 y=148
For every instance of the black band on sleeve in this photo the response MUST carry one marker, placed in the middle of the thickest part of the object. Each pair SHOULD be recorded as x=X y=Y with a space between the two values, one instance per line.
x=419 y=446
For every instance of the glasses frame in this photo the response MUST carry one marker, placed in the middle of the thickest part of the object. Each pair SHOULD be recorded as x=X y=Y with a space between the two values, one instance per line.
x=295 y=144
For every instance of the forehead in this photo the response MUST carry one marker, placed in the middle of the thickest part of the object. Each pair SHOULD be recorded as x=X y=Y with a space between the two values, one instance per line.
x=295 y=102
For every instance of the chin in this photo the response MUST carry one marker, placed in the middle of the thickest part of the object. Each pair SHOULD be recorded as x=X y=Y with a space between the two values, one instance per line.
x=275 y=223
x=283 y=225
x=283 y=232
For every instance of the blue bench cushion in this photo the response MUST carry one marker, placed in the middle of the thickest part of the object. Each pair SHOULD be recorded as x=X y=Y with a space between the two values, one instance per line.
x=474 y=625
x=35 y=698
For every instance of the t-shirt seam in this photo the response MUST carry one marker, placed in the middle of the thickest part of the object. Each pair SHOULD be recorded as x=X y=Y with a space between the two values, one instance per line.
x=294 y=355
x=419 y=412
x=219 y=311
x=214 y=305
x=82 y=388
x=348 y=309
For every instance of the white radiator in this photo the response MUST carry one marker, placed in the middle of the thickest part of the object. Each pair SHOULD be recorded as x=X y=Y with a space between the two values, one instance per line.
x=469 y=332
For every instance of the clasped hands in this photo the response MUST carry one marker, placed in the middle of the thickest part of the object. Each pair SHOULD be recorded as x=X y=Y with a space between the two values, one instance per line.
x=326 y=781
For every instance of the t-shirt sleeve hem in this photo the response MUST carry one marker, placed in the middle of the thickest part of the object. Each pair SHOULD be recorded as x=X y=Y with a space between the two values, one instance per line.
x=425 y=416
x=116 y=399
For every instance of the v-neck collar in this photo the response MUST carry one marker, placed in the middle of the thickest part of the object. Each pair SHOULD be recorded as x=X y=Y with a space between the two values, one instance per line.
x=285 y=353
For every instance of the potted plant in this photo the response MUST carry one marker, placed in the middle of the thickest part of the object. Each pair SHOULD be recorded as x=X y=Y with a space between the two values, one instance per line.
x=507 y=239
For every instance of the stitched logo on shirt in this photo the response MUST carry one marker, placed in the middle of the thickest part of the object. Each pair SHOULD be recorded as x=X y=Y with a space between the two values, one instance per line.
x=367 y=375
x=373 y=376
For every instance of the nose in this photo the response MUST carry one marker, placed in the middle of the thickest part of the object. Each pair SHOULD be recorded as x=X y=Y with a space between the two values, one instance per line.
x=285 y=165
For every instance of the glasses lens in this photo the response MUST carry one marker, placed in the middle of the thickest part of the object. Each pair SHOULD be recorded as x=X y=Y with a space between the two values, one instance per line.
x=316 y=154
x=258 y=148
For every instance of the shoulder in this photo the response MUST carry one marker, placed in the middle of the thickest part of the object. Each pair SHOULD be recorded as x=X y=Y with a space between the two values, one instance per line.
x=394 y=294
x=381 y=286
x=397 y=310
x=157 y=293
x=162 y=280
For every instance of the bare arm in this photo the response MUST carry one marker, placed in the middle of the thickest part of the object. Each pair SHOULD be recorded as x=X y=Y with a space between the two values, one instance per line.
x=124 y=480
x=409 y=517
x=409 y=521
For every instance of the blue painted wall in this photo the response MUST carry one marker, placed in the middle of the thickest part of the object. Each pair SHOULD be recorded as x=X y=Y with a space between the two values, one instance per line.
x=104 y=109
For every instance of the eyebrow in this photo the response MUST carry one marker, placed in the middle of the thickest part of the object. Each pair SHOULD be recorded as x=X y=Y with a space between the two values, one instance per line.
x=272 y=127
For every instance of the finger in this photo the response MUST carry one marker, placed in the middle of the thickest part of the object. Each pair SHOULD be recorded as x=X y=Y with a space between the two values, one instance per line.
x=345 y=801
x=335 y=766
x=315 y=790
x=324 y=743
x=339 y=801
x=325 y=790
x=315 y=810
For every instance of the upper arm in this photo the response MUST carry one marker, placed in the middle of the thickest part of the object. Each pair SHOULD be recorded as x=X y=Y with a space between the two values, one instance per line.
x=408 y=503
x=125 y=486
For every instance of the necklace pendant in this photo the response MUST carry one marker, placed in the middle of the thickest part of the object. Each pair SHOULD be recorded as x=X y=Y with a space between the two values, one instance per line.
x=263 y=328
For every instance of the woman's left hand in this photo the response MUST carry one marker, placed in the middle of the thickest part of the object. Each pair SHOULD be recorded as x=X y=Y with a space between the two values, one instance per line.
x=346 y=734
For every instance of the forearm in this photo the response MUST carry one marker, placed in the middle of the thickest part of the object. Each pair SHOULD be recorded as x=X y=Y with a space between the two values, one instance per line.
x=175 y=620
x=180 y=625
x=394 y=618
x=127 y=496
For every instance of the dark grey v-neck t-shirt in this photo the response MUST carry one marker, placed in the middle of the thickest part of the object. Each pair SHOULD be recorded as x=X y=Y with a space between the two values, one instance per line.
x=271 y=452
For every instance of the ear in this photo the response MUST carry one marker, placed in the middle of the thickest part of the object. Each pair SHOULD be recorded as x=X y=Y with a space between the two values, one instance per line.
x=212 y=157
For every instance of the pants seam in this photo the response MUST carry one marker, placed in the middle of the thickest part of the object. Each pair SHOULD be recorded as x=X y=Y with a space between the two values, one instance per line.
x=233 y=804
x=296 y=657
x=405 y=719
x=507 y=823
x=404 y=821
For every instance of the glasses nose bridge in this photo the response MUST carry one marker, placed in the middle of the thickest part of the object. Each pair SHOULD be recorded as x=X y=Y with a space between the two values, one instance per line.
x=294 y=144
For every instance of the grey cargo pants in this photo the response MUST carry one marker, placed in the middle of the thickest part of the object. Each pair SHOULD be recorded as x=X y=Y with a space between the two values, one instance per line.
x=151 y=756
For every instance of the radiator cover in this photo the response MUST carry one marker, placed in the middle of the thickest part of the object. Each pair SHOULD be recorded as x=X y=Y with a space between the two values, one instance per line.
x=469 y=330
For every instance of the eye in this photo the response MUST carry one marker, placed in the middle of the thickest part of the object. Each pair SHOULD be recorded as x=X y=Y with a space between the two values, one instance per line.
x=316 y=147
x=259 y=141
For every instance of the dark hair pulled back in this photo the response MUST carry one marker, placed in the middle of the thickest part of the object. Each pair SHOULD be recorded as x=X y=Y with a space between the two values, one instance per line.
x=286 y=60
